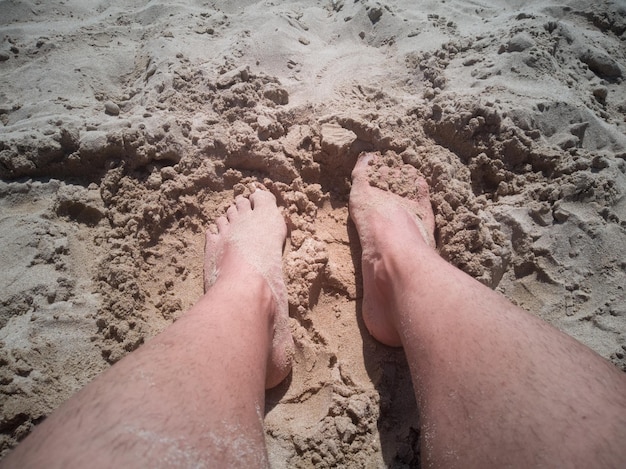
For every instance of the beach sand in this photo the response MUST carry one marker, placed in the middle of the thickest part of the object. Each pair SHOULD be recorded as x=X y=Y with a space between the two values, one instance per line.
x=128 y=126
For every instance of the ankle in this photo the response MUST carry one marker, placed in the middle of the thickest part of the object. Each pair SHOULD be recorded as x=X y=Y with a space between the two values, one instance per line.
x=397 y=261
x=390 y=259
x=244 y=282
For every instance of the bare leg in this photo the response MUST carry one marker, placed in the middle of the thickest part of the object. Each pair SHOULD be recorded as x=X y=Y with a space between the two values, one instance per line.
x=194 y=395
x=496 y=386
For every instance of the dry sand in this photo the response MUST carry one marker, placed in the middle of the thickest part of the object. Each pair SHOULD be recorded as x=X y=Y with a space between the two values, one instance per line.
x=127 y=126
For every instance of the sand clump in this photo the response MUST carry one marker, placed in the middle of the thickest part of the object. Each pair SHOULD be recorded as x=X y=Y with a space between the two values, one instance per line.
x=127 y=129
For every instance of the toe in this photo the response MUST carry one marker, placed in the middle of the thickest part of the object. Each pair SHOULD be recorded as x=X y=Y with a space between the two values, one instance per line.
x=243 y=204
x=211 y=240
x=260 y=198
x=360 y=168
x=231 y=213
x=222 y=224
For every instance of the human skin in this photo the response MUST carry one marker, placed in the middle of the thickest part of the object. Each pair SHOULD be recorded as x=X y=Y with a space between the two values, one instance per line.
x=193 y=396
x=495 y=385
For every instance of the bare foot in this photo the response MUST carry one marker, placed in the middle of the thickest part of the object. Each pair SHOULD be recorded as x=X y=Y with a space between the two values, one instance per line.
x=250 y=240
x=391 y=209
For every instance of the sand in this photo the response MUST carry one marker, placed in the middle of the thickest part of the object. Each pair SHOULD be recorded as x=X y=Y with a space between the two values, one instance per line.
x=128 y=126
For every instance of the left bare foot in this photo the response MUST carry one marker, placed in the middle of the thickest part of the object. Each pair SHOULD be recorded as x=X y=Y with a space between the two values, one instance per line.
x=250 y=240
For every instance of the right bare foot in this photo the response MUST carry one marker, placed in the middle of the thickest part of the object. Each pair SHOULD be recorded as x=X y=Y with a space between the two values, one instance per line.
x=394 y=220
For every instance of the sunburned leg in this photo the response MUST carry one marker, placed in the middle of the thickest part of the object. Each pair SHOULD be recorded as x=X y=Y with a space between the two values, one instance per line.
x=193 y=396
x=496 y=387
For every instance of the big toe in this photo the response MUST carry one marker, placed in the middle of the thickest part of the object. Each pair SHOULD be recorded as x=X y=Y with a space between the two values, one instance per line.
x=261 y=198
x=359 y=172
